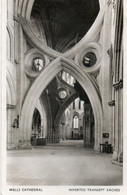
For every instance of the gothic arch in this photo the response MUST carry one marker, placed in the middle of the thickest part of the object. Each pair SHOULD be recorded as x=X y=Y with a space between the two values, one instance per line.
x=63 y=108
x=89 y=37
x=45 y=77
x=41 y=109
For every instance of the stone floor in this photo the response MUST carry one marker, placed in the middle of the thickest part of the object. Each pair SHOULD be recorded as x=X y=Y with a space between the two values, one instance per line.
x=67 y=163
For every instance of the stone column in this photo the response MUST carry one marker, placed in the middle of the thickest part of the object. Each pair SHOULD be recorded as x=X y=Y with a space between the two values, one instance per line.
x=63 y=131
x=105 y=73
x=115 y=154
x=11 y=127
x=60 y=132
x=120 y=154
x=112 y=134
x=118 y=147
x=24 y=137
x=67 y=131
x=87 y=114
x=55 y=136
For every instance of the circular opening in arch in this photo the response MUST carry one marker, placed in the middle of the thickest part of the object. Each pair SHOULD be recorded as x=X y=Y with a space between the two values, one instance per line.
x=62 y=93
x=89 y=59
x=38 y=64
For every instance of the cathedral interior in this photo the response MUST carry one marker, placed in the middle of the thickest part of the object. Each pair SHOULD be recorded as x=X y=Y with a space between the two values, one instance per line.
x=65 y=91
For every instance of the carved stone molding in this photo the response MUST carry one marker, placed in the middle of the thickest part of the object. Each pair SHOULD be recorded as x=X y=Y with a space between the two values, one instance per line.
x=118 y=85
x=111 y=103
x=109 y=51
x=16 y=61
x=109 y=2
x=15 y=18
x=11 y=107
x=114 y=4
x=121 y=84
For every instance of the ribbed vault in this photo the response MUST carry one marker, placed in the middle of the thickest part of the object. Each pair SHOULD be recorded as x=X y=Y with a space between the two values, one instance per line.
x=63 y=22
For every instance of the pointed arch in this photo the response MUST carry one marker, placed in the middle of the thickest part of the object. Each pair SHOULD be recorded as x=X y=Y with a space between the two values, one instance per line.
x=89 y=37
x=46 y=77
x=63 y=108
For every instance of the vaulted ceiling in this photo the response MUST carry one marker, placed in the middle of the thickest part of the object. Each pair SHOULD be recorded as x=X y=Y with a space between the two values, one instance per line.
x=65 y=22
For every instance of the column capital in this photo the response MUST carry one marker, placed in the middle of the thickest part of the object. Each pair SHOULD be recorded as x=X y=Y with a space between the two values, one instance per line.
x=109 y=51
x=16 y=18
x=121 y=84
x=10 y=107
x=109 y=2
x=114 y=4
x=111 y=103
x=118 y=85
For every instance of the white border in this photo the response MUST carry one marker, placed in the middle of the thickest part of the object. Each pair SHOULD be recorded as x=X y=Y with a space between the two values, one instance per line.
x=55 y=190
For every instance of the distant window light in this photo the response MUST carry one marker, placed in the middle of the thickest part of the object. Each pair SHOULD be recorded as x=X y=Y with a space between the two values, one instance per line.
x=89 y=59
x=79 y=104
x=75 y=122
x=38 y=64
x=73 y=105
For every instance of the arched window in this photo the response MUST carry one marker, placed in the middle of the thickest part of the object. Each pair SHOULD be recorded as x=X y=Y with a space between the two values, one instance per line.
x=73 y=105
x=36 y=124
x=75 y=122
x=79 y=104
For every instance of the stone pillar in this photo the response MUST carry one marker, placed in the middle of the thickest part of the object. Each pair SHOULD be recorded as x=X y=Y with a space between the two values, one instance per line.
x=118 y=147
x=112 y=134
x=120 y=154
x=105 y=74
x=63 y=131
x=67 y=131
x=55 y=136
x=24 y=137
x=115 y=154
x=60 y=134
x=87 y=120
x=12 y=142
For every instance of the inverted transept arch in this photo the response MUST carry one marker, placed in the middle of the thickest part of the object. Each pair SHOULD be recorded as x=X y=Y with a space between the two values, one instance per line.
x=46 y=77
x=91 y=35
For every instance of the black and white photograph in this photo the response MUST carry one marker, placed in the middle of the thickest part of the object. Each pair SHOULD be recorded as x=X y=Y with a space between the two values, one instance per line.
x=64 y=96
